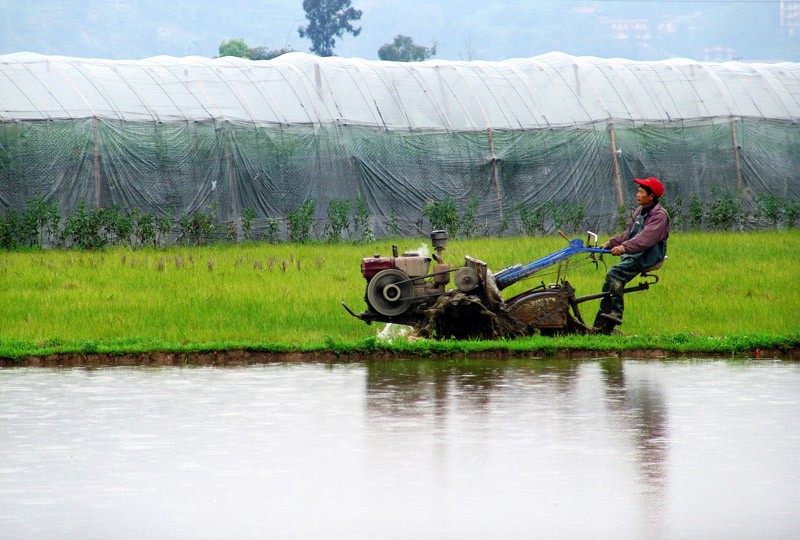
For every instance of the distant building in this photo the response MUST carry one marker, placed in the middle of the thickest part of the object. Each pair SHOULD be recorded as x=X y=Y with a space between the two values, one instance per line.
x=629 y=29
x=717 y=54
x=790 y=17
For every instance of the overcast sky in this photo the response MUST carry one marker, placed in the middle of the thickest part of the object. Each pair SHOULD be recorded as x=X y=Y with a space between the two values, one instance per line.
x=463 y=29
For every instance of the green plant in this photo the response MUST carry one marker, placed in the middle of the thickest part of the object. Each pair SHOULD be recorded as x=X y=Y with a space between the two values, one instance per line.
x=84 y=228
x=674 y=208
x=197 y=228
x=567 y=217
x=248 y=215
x=443 y=216
x=361 y=219
x=272 y=231
x=791 y=211
x=164 y=227
x=116 y=226
x=532 y=219
x=504 y=224
x=725 y=210
x=34 y=220
x=300 y=222
x=622 y=218
x=466 y=225
x=119 y=296
x=771 y=206
x=10 y=230
x=145 y=229
x=394 y=227
x=696 y=212
x=338 y=219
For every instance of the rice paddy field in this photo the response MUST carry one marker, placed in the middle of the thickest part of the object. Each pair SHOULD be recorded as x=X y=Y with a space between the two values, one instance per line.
x=718 y=291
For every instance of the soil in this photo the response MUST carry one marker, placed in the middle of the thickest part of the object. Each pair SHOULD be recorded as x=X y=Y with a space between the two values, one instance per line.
x=242 y=358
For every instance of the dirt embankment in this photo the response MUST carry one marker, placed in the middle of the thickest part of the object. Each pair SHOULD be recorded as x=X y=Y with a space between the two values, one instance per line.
x=242 y=358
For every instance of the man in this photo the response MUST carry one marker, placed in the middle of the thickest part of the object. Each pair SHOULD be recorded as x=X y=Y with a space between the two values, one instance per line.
x=642 y=245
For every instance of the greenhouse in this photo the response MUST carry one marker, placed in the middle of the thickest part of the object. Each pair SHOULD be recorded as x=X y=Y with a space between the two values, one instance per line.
x=172 y=136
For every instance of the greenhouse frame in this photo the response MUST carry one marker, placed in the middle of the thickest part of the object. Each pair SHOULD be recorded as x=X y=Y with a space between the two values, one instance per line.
x=172 y=136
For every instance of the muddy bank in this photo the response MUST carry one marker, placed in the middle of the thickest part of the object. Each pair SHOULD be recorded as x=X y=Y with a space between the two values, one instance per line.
x=243 y=357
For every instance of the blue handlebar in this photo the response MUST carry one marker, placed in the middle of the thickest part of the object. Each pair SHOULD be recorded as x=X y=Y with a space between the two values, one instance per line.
x=511 y=274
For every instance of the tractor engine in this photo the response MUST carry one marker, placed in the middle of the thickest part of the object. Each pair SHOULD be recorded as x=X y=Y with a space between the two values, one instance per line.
x=397 y=284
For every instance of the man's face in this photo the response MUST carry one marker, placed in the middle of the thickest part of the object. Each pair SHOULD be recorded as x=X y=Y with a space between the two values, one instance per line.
x=643 y=197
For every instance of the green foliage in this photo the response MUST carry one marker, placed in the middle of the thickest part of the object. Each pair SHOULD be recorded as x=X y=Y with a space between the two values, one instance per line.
x=272 y=231
x=11 y=230
x=361 y=219
x=622 y=217
x=403 y=49
x=675 y=210
x=145 y=228
x=504 y=224
x=696 y=212
x=772 y=208
x=234 y=47
x=725 y=210
x=262 y=53
x=467 y=226
x=300 y=221
x=394 y=227
x=338 y=219
x=240 y=49
x=443 y=216
x=532 y=219
x=85 y=228
x=248 y=215
x=327 y=20
x=791 y=211
x=164 y=227
x=567 y=217
x=197 y=228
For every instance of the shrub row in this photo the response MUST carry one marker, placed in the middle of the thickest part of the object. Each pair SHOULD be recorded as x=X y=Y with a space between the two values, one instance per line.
x=41 y=223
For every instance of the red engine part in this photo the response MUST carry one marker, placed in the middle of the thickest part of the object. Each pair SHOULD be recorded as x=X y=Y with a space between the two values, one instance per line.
x=372 y=265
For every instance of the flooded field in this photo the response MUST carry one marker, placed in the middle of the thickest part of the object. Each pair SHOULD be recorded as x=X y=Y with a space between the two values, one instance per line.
x=403 y=449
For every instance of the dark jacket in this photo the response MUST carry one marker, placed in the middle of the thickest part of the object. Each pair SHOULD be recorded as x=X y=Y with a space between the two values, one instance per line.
x=645 y=239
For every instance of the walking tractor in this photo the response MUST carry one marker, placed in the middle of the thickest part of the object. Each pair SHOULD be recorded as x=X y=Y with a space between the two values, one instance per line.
x=404 y=289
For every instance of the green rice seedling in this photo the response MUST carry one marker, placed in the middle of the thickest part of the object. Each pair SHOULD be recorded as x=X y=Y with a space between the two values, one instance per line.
x=722 y=285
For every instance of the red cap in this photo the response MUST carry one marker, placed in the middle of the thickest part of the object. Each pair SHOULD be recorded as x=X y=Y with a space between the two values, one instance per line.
x=654 y=184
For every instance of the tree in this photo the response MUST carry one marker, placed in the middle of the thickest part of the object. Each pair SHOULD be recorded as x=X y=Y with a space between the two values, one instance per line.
x=234 y=47
x=328 y=19
x=262 y=53
x=403 y=49
x=237 y=47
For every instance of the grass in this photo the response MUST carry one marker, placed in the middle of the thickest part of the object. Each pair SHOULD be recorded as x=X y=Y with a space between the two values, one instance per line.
x=718 y=292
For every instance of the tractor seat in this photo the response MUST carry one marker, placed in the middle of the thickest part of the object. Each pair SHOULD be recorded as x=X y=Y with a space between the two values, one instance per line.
x=653 y=268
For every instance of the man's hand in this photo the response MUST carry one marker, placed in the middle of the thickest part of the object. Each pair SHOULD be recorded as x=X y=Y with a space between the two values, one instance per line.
x=619 y=250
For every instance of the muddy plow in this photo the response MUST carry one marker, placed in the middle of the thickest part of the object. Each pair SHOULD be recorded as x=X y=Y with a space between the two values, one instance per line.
x=467 y=302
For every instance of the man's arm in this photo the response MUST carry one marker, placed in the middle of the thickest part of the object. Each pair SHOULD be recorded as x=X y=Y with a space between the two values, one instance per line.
x=617 y=240
x=655 y=230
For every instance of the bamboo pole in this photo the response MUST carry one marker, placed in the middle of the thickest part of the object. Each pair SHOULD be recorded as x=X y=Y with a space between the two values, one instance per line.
x=617 y=177
x=495 y=175
x=96 y=163
x=736 y=157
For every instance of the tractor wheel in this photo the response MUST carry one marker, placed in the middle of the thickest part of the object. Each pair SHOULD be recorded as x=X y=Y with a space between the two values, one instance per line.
x=389 y=292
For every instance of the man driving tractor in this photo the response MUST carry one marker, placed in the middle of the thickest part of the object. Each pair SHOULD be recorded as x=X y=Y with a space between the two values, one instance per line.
x=642 y=246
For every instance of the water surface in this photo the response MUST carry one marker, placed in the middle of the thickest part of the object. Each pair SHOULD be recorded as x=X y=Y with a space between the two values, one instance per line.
x=404 y=449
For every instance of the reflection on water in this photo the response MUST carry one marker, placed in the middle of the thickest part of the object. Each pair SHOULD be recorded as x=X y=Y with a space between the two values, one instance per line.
x=403 y=449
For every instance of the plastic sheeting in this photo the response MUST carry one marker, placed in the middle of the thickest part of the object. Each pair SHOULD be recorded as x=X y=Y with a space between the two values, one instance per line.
x=174 y=135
